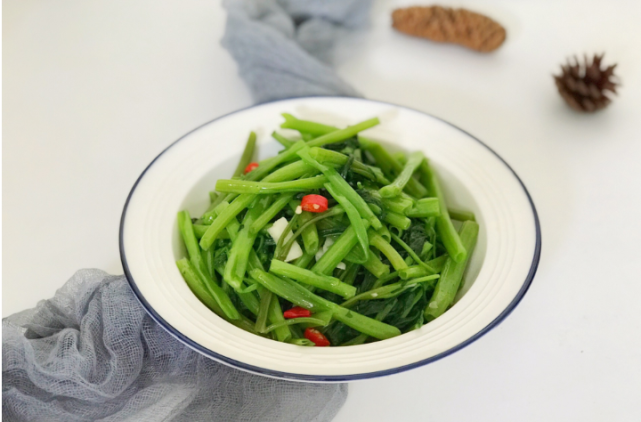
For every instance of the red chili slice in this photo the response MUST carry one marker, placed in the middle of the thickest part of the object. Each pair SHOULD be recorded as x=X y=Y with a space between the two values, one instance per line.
x=250 y=167
x=297 y=312
x=316 y=337
x=314 y=203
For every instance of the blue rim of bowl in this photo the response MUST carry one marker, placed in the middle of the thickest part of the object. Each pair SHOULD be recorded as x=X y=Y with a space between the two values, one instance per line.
x=328 y=378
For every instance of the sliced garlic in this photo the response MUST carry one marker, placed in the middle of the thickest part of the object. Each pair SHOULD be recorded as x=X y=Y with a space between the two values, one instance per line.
x=276 y=231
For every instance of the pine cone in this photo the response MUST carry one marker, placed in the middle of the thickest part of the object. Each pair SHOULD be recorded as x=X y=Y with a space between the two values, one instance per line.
x=583 y=86
x=442 y=24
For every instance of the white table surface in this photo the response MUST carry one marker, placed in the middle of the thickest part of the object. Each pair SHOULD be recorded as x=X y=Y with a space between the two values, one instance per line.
x=94 y=90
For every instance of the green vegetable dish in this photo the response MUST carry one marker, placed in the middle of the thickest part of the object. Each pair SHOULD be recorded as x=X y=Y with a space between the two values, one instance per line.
x=332 y=242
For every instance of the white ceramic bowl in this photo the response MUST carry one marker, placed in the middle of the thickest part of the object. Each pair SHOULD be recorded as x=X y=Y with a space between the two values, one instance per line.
x=474 y=178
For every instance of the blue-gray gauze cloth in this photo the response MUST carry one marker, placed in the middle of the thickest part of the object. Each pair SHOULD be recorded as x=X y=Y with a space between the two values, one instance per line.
x=91 y=353
x=284 y=48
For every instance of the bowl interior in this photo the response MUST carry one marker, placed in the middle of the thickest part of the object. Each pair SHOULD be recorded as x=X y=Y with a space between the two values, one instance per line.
x=473 y=178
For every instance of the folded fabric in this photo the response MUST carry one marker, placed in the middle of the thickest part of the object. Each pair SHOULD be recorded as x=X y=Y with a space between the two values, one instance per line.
x=91 y=353
x=282 y=47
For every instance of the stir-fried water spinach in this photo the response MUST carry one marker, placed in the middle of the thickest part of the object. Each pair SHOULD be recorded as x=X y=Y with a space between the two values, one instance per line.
x=334 y=241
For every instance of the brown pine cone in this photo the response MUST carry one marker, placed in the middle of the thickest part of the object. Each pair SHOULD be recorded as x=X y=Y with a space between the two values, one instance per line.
x=442 y=24
x=583 y=86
